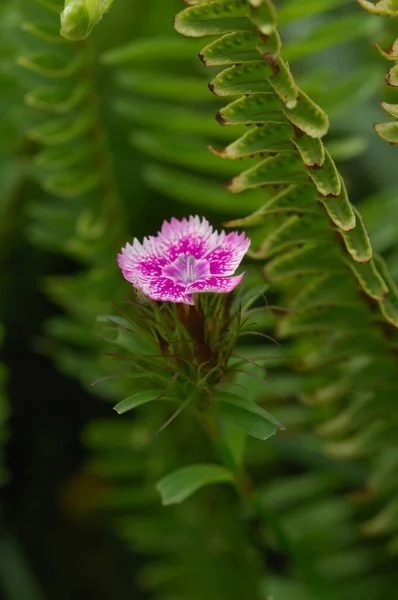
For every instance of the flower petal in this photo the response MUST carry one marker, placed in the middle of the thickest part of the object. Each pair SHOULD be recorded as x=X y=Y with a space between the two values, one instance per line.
x=227 y=256
x=221 y=285
x=163 y=289
x=139 y=262
x=193 y=236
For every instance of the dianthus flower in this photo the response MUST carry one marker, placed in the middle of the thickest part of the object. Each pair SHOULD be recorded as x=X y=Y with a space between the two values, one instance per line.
x=184 y=258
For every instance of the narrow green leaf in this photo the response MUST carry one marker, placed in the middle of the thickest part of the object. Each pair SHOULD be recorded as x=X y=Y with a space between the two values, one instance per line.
x=312 y=150
x=312 y=258
x=271 y=137
x=387 y=131
x=61 y=130
x=263 y=15
x=339 y=209
x=357 y=240
x=280 y=233
x=308 y=116
x=391 y=53
x=57 y=99
x=72 y=184
x=389 y=304
x=184 y=482
x=326 y=289
x=257 y=108
x=187 y=152
x=235 y=438
x=347 y=148
x=295 y=199
x=392 y=75
x=283 y=82
x=56 y=158
x=382 y=7
x=180 y=119
x=51 y=64
x=49 y=32
x=248 y=78
x=232 y=48
x=283 y=168
x=324 y=318
x=326 y=178
x=329 y=34
x=391 y=109
x=369 y=278
x=138 y=399
x=164 y=86
x=253 y=419
x=152 y=50
x=213 y=18
x=196 y=191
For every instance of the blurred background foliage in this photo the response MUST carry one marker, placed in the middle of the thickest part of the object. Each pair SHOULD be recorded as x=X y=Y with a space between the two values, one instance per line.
x=100 y=140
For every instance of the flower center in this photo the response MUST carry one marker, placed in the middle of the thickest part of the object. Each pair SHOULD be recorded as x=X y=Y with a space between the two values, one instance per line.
x=186 y=269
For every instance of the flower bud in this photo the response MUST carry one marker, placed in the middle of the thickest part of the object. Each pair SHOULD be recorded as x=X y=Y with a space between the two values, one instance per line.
x=79 y=17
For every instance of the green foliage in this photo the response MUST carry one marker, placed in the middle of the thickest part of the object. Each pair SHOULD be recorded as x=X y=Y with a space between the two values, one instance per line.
x=387 y=131
x=115 y=129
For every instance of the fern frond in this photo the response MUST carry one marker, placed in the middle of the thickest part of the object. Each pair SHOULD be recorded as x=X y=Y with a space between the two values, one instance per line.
x=318 y=255
x=387 y=131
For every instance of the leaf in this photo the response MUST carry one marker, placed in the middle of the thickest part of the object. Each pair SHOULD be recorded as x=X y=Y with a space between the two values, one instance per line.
x=391 y=53
x=392 y=75
x=138 y=399
x=369 y=278
x=387 y=131
x=340 y=209
x=235 y=439
x=213 y=18
x=357 y=240
x=49 y=32
x=232 y=48
x=253 y=419
x=283 y=168
x=308 y=116
x=257 y=108
x=57 y=99
x=271 y=137
x=326 y=178
x=312 y=258
x=283 y=82
x=288 y=231
x=312 y=150
x=382 y=7
x=238 y=47
x=184 y=482
x=295 y=199
x=61 y=130
x=51 y=64
x=389 y=305
x=329 y=34
x=249 y=78
x=195 y=191
x=151 y=50
x=263 y=15
x=391 y=109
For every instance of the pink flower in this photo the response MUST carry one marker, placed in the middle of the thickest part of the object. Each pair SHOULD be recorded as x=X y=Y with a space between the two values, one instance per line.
x=184 y=258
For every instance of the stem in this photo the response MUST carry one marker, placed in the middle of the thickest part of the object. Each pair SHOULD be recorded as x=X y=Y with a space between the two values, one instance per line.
x=256 y=510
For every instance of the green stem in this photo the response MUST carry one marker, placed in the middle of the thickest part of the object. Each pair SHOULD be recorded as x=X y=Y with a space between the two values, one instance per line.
x=256 y=509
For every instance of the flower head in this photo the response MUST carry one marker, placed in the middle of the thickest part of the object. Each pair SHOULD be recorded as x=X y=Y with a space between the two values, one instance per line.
x=185 y=257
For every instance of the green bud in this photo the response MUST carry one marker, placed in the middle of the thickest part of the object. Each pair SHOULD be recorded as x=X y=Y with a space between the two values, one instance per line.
x=79 y=17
